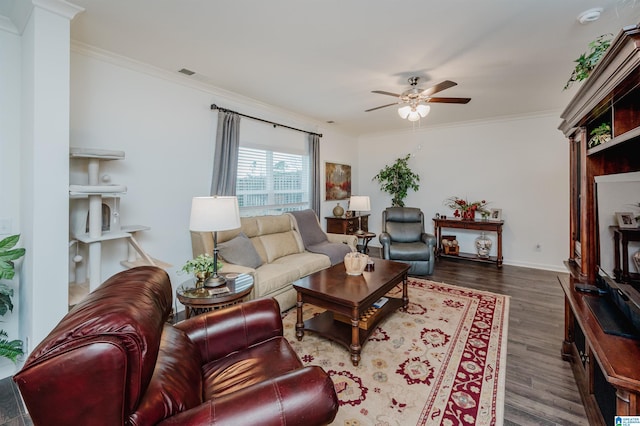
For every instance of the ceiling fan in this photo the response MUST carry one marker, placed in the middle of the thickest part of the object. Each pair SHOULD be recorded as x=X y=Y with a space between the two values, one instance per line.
x=415 y=98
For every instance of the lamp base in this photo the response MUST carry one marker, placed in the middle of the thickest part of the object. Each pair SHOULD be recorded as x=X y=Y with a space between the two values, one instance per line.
x=215 y=281
x=359 y=232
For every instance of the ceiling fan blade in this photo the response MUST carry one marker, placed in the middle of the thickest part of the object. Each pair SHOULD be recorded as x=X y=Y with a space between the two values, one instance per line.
x=438 y=88
x=383 y=106
x=382 y=92
x=449 y=100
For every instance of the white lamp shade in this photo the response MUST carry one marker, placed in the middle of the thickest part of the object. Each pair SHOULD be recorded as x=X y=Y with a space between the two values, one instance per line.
x=214 y=214
x=359 y=203
x=413 y=116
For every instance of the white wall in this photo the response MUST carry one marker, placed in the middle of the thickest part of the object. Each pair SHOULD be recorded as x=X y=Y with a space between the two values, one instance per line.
x=519 y=165
x=167 y=130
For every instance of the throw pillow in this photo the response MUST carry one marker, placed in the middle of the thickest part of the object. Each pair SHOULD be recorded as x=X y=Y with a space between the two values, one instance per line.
x=240 y=251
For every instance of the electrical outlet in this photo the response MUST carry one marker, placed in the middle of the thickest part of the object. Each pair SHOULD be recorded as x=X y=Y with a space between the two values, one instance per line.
x=5 y=226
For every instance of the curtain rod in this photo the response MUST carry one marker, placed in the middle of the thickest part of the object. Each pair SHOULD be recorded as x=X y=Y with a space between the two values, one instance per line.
x=214 y=106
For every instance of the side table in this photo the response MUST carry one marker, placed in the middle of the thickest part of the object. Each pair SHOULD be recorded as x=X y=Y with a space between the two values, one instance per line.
x=237 y=287
x=365 y=237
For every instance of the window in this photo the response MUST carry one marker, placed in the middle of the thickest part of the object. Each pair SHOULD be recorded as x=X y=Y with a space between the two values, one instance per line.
x=271 y=182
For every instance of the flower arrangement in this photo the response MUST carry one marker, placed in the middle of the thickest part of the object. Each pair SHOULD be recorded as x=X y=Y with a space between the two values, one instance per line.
x=465 y=209
x=201 y=266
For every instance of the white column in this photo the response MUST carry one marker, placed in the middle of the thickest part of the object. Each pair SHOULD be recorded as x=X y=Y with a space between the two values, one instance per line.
x=44 y=168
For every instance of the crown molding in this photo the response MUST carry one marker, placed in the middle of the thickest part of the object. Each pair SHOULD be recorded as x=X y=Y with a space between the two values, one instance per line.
x=223 y=97
x=21 y=11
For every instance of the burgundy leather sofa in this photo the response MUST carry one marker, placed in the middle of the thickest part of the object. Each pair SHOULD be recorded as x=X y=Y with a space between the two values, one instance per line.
x=115 y=360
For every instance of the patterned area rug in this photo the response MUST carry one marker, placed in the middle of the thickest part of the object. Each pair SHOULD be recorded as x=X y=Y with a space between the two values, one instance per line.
x=440 y=363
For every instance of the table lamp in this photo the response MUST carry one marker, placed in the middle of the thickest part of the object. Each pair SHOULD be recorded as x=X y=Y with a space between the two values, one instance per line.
x=359 y=203
x=213 y=214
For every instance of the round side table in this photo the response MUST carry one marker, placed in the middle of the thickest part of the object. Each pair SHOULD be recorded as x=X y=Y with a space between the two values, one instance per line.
x=366 y=237
x=196 y=302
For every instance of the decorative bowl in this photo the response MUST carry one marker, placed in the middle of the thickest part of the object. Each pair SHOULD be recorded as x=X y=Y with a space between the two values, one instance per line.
x=355 y=263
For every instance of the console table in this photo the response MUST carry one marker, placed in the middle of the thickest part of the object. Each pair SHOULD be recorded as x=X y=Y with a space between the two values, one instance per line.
x=476 y=225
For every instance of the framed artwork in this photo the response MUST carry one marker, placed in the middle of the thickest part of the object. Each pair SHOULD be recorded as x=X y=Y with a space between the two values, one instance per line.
x=337 y=181
x=495 y=214
x=626 y=220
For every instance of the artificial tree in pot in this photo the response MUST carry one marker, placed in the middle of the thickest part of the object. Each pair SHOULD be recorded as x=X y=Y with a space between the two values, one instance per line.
x=10 y=349
x=396 y=179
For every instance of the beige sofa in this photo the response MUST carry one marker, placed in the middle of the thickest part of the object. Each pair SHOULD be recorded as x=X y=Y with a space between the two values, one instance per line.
x=279 y=244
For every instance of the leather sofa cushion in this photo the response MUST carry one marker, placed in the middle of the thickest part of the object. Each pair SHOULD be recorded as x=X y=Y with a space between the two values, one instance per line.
x=176 y=384
x=410 y=251
x=239 y=370
x=280 y=244
x=404 y=232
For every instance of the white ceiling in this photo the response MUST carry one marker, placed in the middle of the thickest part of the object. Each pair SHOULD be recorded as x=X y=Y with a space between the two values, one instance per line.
x=322 y=58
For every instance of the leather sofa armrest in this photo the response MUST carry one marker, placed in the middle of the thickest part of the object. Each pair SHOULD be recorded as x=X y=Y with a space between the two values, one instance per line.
x=385 y=240
x=350 y=240
x=304 y=396
x=219 y=333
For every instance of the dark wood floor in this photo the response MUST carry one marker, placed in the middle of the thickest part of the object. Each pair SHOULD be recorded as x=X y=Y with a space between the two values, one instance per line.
x=540 y=389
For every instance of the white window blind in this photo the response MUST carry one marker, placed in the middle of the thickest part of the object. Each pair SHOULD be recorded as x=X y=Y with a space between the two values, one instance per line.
x=271 y=182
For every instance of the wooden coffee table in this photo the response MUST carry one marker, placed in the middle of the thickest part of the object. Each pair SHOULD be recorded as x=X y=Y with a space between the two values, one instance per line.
x=347 y=299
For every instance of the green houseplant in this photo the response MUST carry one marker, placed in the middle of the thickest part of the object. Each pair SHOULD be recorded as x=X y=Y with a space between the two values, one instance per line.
x=10 y=349
x=600 y=134
x=396 y=179
x=588 y=61
x=201 y=267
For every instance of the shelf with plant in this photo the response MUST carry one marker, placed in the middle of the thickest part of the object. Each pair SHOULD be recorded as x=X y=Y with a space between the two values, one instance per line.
x=588 y=60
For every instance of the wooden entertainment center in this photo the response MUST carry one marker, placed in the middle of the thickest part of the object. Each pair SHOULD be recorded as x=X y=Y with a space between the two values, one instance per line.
x=605 y=366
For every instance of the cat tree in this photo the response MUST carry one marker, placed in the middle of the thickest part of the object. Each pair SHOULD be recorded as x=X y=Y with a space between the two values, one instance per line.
x=95 y=217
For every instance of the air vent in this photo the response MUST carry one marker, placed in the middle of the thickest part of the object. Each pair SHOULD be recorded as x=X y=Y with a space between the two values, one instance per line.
x=186 y=71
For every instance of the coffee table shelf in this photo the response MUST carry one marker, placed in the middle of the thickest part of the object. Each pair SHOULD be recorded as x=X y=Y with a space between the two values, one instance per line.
x=338 y=330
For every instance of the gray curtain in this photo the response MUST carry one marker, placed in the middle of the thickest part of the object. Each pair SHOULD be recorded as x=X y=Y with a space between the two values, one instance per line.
x=225 y=162
x=314 y=173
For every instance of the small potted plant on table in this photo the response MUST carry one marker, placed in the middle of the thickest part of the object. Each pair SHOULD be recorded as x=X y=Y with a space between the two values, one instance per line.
x=201 y=267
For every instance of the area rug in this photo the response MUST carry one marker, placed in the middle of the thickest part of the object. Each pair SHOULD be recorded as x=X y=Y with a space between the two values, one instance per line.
x=442 y=362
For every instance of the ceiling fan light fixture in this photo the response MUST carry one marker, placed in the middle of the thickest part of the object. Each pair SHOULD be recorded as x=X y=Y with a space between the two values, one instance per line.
x=413 y=116
x=423 y=110
x=404 y=111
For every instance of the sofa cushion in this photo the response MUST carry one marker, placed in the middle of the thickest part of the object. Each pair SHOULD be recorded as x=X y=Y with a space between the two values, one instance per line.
x=280 y=244
x=309 y=228
x=176 y=384
x=274 y=277
x=240 y=251
x=305 y=263
x=245 y=368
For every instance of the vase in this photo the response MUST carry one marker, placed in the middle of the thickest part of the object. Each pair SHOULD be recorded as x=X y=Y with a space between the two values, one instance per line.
x=468 y=215
x=338 y=211
x=483 y=246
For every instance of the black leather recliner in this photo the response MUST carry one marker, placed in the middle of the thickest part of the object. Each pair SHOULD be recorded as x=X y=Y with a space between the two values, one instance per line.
x=403 y=239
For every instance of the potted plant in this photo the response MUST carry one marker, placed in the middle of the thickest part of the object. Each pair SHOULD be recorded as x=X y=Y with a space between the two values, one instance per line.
x=600 y=134
x=397 y=179
x=10 y=349
x=201 y=267
x=587 y=62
